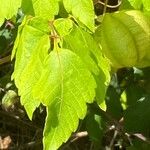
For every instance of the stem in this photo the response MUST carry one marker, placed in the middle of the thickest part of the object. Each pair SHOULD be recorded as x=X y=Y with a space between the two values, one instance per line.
x=18 y=121
x=109 y=6
x=105 y=7
x=5 y=59
x=113 y=139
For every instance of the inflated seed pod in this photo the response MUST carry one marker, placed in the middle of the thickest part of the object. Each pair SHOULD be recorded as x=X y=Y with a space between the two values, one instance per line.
x=125 y=38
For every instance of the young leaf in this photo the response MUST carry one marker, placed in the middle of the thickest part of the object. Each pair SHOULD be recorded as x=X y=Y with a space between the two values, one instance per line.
x=82 y=10
x=45 y=8
x=40 y=23
x=64 y=87
x=31 y=49
x=63 y=26
x=31 y=74
x=8 y=9
x=94 y=127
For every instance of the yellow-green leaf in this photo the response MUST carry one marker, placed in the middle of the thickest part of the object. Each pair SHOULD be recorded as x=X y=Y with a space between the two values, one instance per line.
x=64 y=87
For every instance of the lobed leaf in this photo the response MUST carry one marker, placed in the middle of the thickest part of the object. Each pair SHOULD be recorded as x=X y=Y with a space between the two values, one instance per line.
x=63 y=26
x=8 y=9
x=64 y=87
x=87 y=49
x=45 y=8
x=31 y=48
x=82 y=10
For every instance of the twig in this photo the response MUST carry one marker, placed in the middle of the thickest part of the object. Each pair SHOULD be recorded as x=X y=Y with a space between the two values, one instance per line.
x=91 y=147
x=31 y=144
x=8 y=49
x=141 y=137
x=5 y=60
x=113 y=139
x=17 y=120
x=105 y=7
x=75 y=137
x=79 y=135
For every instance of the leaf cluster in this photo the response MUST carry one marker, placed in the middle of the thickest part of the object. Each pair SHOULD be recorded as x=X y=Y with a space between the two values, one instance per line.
x=80 y=62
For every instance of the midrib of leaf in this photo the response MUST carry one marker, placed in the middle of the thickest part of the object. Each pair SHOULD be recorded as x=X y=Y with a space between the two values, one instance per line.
x=62 y=93
x=65 y=97
x=62 y=89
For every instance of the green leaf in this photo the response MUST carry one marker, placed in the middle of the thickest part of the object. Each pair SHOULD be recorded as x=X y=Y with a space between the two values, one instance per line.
x=63 y=26
x=83 y=44
x=31 y=74
x=8 y=9
x=65 y=86
x=94 y=127
x=62 y=11
x=146 y=4
x=46 y=8
x=125 y=5
x=25 y=20
x=133 y=30
x=40 y=23
x=27 y=7
x=133 y=93
x=137 y=118
x=31 y=49
x=113 y=102
x=137 y=4
x=82 y=10
x=138 y=144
